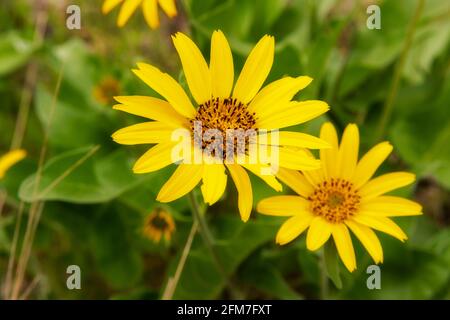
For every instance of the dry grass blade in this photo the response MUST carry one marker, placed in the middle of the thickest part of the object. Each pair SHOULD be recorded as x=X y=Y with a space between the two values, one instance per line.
x=173 y=281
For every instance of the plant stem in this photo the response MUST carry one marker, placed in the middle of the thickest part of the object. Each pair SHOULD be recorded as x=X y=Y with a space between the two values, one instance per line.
x=323 y=277
x=389 y=103
x=199 y=216
x=31 y=77
x=173 y=281
x=208 y=239
x=205 y=232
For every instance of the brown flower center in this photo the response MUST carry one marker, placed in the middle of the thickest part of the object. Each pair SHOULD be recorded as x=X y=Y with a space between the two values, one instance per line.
x=159 y=222
x=224 y=117
x=335 y=200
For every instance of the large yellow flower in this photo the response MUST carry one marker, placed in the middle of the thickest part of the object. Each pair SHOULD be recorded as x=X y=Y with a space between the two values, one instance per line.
x=219 y=107
x=341 y=196
x=149 y=8
x=10 y=159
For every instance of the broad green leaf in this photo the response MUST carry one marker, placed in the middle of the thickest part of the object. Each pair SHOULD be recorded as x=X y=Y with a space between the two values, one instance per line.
x=100 y=178
x=201 y=279
x=266 y=277
x=332 y=263
x=421 y=137
x=118 y=260
x=14 y=51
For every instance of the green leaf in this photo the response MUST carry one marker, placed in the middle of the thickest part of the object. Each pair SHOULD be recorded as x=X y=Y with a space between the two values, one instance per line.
x=409 y=274
x=100 y=178
x=332 y=263
x=421 y=136
x=14 y=51
x=267 y=278
x=117 y=259
x=201 y=278
x=74 y=124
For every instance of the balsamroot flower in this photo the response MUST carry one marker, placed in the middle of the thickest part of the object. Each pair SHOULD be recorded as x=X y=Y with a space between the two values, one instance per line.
x=342 y=196
x=10 y=159
x=149 y=8
x=105 y=91
x=159 y=223
x=219 y=108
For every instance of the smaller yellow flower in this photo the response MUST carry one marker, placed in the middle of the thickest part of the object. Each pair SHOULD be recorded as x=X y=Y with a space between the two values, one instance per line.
x=10 y=159
x=159 y=223
x=340 y=196
x=105 y=91
x=149 y=8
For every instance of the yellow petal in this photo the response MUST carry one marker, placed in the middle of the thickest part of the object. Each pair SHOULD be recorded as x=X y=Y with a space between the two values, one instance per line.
x=258 y=170
x=150 y=10
x=344 y=246
x=221 y=65
x=255 y=70
x=10 y=159
x=126 y=11
x=294 y=139
x=390 y=206
x=168 y=7
x=166 y=86
x=283 y=206
x=151 y=108
x=108 y=5
x=144 y=133
x=348 y=152
x=368 y=238
x=244 y=188
x=296 y=181
x=297 y=159
x=292 y=228
x=328 y=157
x=276 y=93
x=214 y=182
x=182 y=181
x=156 y=158
x=314 y=177
x=386 y=183
x=295 y=113
x=382 y=224
x=195 y=68
x=370 y=162
x=318 y=233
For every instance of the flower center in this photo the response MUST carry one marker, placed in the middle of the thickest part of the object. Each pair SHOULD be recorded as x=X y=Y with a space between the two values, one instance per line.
x=224 y=117
x=335 y=200
x=159 y=222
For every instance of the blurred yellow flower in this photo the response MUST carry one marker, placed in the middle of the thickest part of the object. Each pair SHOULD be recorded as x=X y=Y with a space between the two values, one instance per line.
x=105 y=91
x=149 y=8
x=10 y=159
x=341 y=196
x=159 y=223
x=222 y=109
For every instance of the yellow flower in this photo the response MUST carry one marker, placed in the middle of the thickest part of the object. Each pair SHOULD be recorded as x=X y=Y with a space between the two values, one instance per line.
x=10 y=159
x=159 y=223
x=219 y=107
x=342 y=196
x=105 y=91
x=149 y=8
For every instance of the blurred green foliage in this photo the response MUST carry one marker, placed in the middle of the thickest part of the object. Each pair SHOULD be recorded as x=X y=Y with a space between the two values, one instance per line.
x=94 y=217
